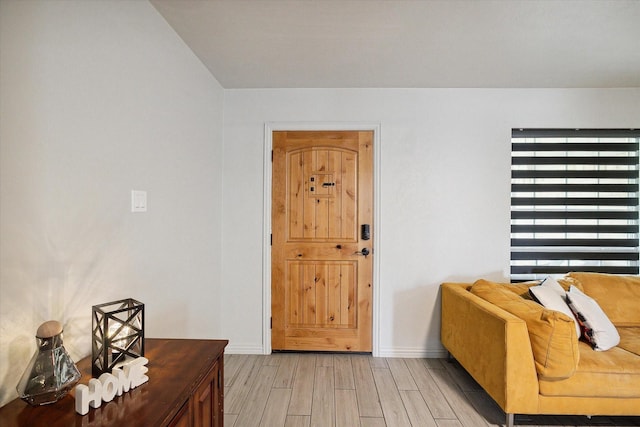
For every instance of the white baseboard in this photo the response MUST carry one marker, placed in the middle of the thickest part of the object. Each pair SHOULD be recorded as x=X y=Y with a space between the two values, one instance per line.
x=408 y=353
x=243 y=349
x=413 y=353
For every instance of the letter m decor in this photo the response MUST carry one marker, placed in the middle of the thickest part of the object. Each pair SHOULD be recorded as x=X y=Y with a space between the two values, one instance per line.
x=117 y=334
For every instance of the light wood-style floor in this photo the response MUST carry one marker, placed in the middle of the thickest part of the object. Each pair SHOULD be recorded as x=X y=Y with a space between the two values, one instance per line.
x=308 y=389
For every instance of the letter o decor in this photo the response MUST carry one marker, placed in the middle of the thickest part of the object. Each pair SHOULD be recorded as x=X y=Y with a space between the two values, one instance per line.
x=109 y=386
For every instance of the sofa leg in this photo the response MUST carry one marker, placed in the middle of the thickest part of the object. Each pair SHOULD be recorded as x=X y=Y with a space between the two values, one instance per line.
x=450 y=357
x=510 y=420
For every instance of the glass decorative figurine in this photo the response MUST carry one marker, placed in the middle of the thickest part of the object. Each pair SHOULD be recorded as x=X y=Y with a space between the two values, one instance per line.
x=117 y=334
x=51 y=373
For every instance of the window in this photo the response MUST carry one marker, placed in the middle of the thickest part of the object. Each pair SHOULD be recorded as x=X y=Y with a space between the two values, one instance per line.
x=574 y=201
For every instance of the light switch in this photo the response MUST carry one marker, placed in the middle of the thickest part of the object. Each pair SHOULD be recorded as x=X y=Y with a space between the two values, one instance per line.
x=138 y=201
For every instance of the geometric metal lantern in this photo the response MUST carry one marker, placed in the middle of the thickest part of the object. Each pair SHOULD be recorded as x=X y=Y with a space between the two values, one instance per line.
x=118 y=334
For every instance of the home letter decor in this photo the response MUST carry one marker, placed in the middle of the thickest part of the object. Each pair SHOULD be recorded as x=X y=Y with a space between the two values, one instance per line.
x=129 y=376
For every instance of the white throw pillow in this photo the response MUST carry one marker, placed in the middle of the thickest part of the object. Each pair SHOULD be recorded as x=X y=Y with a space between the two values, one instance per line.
x=551 y=283
x=552 y=296
x=597 y=328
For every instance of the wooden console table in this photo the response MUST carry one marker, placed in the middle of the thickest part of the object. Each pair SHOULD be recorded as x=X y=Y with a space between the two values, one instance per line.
x=185 y=388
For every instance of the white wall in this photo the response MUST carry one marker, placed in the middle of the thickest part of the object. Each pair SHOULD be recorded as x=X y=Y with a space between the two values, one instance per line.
x=445 y=190
x=99 y=98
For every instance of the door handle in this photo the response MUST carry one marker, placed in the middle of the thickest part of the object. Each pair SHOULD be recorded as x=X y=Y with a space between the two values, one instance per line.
x=363 y=252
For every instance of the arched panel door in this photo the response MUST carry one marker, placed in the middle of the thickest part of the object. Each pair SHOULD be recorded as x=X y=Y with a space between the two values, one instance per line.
x=322 y=247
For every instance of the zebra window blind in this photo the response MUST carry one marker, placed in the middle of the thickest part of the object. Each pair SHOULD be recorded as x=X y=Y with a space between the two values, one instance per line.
x=574 y=201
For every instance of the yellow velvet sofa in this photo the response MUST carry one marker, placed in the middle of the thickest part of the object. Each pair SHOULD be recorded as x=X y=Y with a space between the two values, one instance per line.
x=532 y=362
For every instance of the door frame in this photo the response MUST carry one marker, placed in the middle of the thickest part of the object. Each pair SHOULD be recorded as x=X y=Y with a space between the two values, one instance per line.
x=269 y=128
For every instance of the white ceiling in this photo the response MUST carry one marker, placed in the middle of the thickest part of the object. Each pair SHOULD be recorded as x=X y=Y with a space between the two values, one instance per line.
x=397 y=43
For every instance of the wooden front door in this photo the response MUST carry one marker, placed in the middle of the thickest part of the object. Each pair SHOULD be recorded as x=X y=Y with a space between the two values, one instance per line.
x=321 y=282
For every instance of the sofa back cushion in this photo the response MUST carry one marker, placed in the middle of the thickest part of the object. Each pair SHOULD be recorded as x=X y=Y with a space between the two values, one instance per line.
x=552 y=334
x=630 y=340
x=618 y=296
x=521 y=289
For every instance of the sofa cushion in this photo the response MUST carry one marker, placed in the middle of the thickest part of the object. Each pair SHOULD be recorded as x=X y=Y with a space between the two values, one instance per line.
x=596 y=327
x=613 y=373
x=618 y=296
x=551 y=295
x=521 y=289
x=552 y=334
x=630 y=340
x=566 y=282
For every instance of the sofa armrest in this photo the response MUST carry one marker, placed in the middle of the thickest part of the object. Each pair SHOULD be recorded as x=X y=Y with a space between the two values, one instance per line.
x=492 y=345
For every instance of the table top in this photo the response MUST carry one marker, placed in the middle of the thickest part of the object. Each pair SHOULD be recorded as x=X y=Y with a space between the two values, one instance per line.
x=176 y=366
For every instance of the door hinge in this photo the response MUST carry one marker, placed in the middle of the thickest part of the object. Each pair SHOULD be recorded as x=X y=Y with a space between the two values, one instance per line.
x=271 y=156
x=271 y=323
x=271 y=240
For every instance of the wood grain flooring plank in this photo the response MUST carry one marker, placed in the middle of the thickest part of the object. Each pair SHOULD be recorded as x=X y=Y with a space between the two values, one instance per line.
x=323 y=410
x=230 y=419
x=465 y=411
x=286 y=371
x=346 y=408
x=486 y=407
x=232 y=364
x=297 y=421
x=275 y=411
x=344 y=372
x=257 y=397
x=452 y=423
x=460 y=376
x=273 y=359
x=377 y=362
x=366 y=392
x=324 y=360
x=417 y=409
x=392 y=407
x=430 y=391
x=435 y=363
x=401 y=374
x=372 y=422
x=302 y=395
x=236 y=394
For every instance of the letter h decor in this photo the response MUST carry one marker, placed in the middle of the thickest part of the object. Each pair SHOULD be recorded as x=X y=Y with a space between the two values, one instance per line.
x=118 y=334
